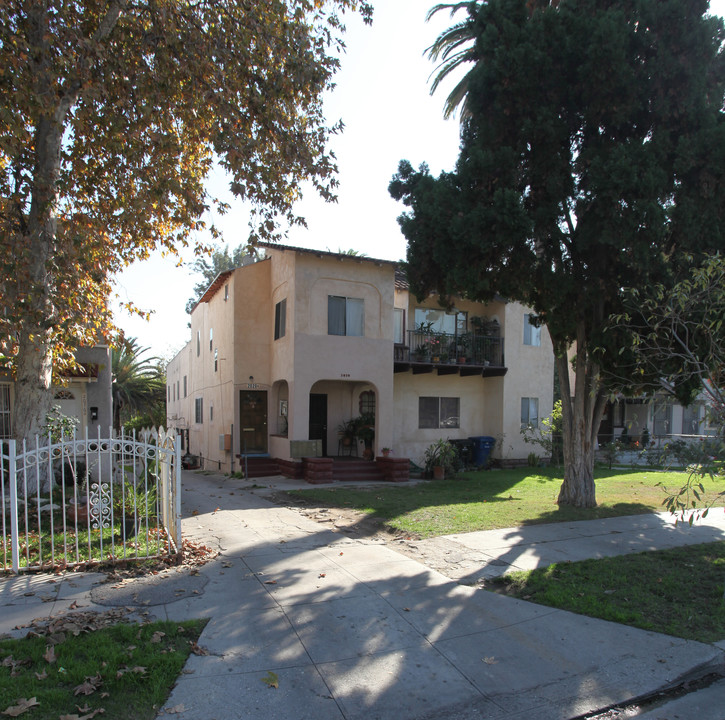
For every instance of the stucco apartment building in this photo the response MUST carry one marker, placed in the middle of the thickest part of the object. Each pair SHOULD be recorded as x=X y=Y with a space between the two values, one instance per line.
x=283 y=351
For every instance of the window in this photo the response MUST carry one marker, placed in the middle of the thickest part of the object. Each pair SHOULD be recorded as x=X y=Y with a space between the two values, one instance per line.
x=440 y=321
x=345 y=316
x=178 y=393
x=529 y=412
x=691 y=419
x=662 y=416
x=216 y=359
x=184 y=385
x=439 y=412
x=280 y=319
x=5 y=429
x=211 y=413
x=199 y=410
x=532 y=334
x=367 y=402
x=399 y=326
x=198 y=342
x=211 y=339
x=226 y=293
x=174 y=392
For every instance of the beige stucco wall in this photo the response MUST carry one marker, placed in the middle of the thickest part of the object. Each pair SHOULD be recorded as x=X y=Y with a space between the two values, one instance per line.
x=308 y=360
x=530 y=374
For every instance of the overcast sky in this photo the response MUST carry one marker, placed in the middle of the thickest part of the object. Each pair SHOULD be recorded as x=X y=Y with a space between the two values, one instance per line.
x=382 y=96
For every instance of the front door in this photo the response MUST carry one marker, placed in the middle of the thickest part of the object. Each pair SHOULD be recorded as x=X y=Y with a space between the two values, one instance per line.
x=318 y=419
x=253 y=421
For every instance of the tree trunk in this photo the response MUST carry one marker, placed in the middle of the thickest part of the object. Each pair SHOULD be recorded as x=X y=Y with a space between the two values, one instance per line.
x=582 y=413
x=34 y=369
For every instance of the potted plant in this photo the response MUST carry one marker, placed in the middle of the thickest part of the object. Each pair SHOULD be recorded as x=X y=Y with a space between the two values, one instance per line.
x=440 y=459
x=366 y=432
x=347 y=431
x=386 y=451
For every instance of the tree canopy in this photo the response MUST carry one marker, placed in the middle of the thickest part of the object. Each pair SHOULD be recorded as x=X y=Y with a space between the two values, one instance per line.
x=592 y=159
x=111 y=115
x=678 y=336
x=217 y=262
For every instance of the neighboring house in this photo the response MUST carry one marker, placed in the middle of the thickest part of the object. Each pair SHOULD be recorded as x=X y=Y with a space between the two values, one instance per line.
x=287 y=349
x=660 y=414
x=85 y=394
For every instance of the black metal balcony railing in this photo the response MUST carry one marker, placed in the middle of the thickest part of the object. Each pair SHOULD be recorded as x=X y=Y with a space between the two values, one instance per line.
x=447 y=349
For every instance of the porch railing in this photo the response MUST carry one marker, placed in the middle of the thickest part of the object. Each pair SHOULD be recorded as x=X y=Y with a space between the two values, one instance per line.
x=446 y=348
x=69 y=501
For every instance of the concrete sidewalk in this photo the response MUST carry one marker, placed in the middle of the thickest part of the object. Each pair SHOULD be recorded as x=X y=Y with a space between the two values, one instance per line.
x=353 y=629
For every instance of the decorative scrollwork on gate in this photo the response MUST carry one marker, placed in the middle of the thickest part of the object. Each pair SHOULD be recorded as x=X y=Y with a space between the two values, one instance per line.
x=99 y=499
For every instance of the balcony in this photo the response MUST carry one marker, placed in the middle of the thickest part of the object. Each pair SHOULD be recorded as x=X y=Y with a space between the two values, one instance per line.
x=447 y=354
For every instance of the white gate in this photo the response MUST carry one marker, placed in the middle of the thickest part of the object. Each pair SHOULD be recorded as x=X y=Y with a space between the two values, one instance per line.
x=70 y=501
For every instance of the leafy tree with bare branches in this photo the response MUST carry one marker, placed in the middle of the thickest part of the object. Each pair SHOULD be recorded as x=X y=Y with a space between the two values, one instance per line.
x=112 y=113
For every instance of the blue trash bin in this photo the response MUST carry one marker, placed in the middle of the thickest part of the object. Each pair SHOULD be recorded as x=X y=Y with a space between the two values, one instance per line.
x=482 y=446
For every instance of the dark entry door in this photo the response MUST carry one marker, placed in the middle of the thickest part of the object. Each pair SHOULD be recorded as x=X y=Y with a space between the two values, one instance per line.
x=253 y=420
x=318 y=419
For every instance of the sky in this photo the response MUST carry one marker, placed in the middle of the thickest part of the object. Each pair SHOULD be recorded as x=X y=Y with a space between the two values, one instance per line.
x=382 y=96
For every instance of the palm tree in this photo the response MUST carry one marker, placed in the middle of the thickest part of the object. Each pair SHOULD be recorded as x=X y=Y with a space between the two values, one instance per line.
x=455 y=47
x=139 y=385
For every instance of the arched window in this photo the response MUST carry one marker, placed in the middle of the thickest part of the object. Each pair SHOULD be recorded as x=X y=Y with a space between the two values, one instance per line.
x=64 y=395
x=367 y=402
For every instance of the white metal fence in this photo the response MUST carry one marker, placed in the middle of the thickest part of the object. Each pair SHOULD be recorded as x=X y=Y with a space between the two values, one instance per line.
x=71 y=501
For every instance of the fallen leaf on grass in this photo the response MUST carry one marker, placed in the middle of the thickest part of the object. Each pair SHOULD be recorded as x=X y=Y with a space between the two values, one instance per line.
x=271 y=680
x=41 y=675
x=88 y=686
x=49 y=655
x=23 y=705
x=156 y=637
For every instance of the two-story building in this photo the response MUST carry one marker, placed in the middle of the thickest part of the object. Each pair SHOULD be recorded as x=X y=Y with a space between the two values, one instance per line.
x=285 y=350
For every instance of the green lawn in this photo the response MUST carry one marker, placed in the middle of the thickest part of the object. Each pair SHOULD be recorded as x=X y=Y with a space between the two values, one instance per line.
x=677 y=591
x=501 y=498
x=124 y=671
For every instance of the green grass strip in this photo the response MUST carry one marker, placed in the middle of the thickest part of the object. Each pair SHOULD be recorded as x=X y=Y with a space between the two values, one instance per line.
x=678 y=591
x=125 y=671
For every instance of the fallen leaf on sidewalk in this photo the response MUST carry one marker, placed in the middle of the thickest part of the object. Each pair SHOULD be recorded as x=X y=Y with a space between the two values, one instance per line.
x=23 y=705
x=270 y=582
x=176 y=709
x=490 y=660
x=271 y=680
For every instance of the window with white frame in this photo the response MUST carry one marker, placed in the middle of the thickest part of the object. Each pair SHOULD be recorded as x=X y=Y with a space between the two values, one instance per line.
x=211 y=339
x=345 y=316
x=529 y=412
x=440 y=321
x=532 y=334
x=198 y=342
x=692 y=419
x=662 y=416
x=5 y=428
x=199 y=410
x=439 y=412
